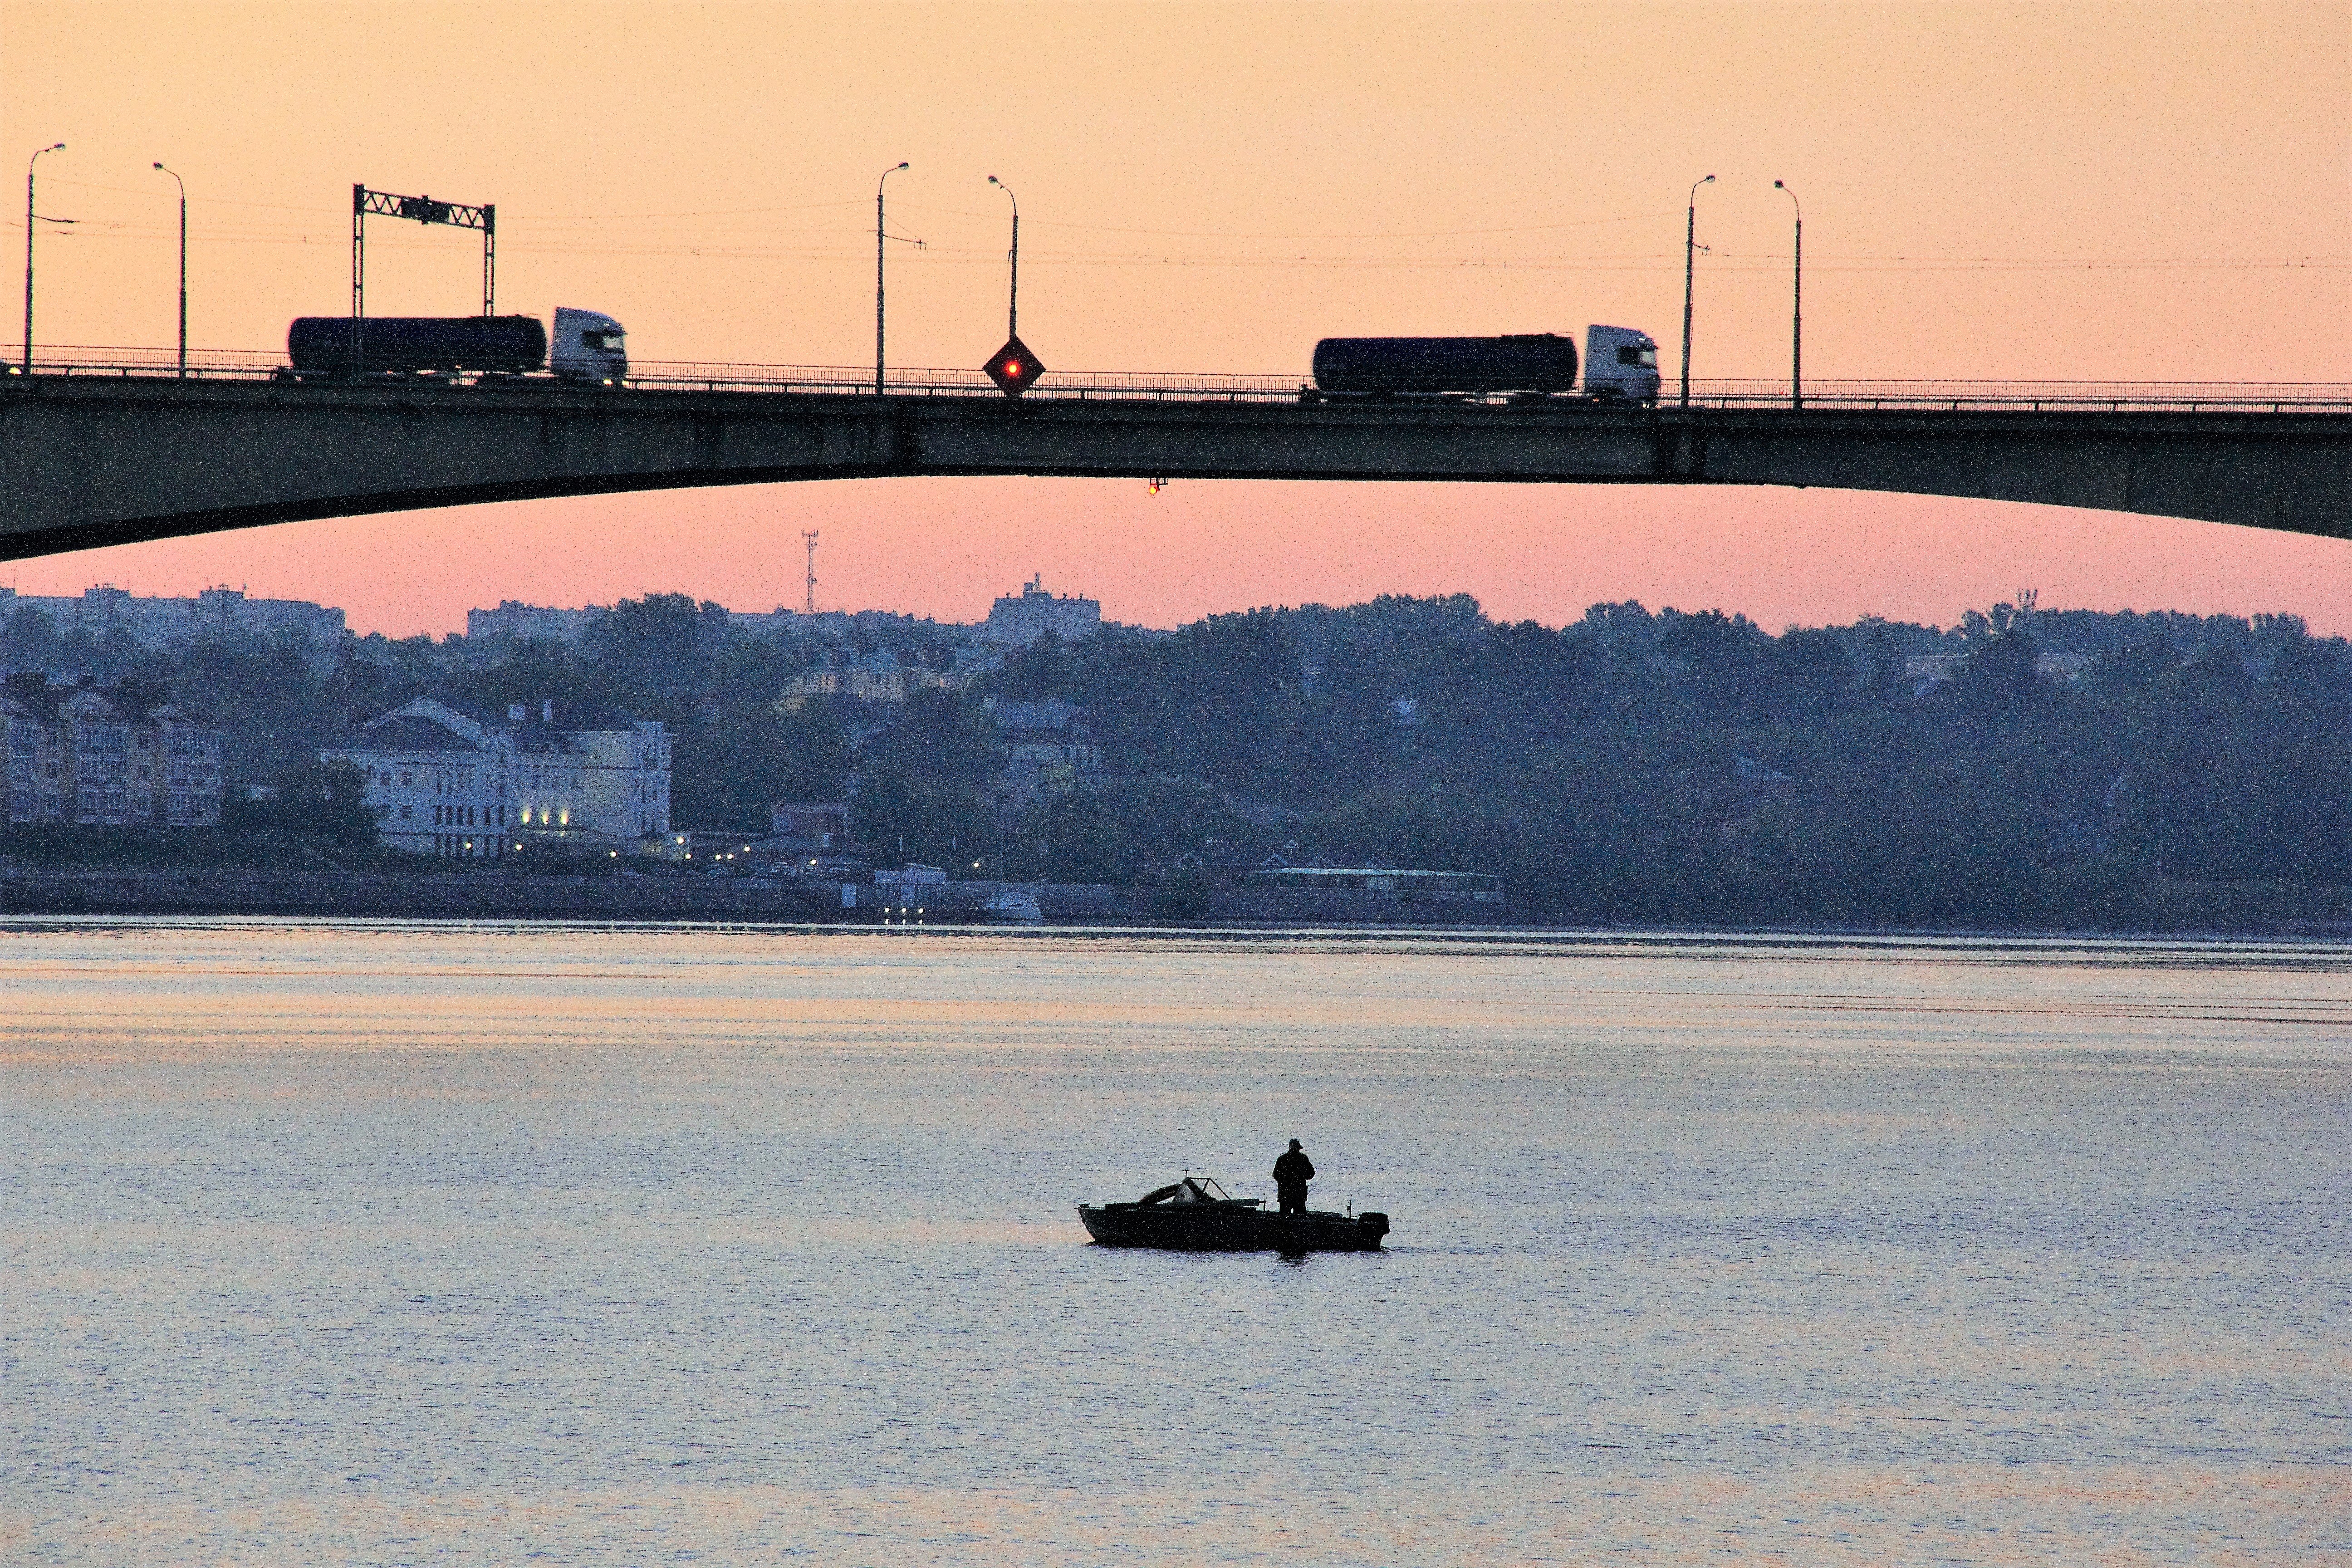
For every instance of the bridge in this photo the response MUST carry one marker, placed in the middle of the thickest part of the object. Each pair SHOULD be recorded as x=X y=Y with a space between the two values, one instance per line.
x=110 y=446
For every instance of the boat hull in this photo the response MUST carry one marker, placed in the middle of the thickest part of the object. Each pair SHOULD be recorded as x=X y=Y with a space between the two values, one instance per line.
x=1215 y=1227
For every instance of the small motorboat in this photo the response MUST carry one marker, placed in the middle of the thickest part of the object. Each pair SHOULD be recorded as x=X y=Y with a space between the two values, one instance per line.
x=1012 y=907
x=1196 y=1215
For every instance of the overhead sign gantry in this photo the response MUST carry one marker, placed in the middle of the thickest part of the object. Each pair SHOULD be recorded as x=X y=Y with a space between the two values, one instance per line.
x=367 y=203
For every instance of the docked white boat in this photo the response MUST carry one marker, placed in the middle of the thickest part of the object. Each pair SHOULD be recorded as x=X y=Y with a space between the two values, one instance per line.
x=1012 y=907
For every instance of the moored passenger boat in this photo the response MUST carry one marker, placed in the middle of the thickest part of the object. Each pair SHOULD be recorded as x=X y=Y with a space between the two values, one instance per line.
x=1196 y=1215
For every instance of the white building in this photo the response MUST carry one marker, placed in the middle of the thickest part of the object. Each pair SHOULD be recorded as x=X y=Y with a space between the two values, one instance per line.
x=450 y=780
x=1018 y=622
x=624 y=772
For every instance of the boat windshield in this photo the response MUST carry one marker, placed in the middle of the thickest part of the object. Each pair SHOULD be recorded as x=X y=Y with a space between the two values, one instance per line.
x=1201 y=1190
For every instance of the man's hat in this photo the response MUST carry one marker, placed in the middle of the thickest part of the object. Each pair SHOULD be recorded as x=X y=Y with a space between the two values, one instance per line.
x=1294 y=1142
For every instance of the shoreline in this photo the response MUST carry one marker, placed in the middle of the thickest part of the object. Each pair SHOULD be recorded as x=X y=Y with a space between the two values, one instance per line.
x=66 y=894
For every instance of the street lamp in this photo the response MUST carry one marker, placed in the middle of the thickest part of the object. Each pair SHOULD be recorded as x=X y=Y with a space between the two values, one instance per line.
x=1797 y=311
x=1690 y=245
x=183 y=268
x=1012 y=306
x=28 y=251
x=878 y=272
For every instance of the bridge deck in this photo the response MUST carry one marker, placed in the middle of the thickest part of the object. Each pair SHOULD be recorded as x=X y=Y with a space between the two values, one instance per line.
x=1262 y=388
x=101 y=457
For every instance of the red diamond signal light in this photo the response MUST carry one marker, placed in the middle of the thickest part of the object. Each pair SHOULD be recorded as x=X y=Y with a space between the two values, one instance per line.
x=1013 y=368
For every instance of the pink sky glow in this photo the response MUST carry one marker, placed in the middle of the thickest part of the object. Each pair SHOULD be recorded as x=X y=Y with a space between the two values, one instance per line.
x=2085 y=192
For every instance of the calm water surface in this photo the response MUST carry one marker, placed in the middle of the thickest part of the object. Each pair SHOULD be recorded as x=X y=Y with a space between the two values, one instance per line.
x=413 y=1244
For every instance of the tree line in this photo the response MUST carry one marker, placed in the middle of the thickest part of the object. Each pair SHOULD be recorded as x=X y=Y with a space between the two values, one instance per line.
x=1628 y=765
x=1693 y=766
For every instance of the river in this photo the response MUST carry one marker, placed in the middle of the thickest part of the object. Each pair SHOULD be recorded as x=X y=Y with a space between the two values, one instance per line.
x=407 y=1243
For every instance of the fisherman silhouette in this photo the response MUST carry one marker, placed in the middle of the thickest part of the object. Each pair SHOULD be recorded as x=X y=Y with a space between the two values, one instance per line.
x=1291 y=1175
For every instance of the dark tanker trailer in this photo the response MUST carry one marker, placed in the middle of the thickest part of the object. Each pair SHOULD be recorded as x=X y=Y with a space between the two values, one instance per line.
x=1621 y=364
x=587 y=345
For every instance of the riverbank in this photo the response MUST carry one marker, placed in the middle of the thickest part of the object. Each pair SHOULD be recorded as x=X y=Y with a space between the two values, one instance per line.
x=2171 y=908
x=67 y=890
x=144 y=889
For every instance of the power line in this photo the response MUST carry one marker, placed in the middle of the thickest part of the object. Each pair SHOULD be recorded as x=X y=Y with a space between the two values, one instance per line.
x=1636 y=261
x=1244 y=234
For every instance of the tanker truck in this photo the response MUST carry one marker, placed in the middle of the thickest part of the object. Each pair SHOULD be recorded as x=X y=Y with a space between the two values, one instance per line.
x=587 y=346
x=1620 y=365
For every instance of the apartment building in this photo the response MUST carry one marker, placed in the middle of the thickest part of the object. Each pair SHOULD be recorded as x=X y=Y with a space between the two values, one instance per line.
x=1020 y=620
x=110 y=755
x=161 y=621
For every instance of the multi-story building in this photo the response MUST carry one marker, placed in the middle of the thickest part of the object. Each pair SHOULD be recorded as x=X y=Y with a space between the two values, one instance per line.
x=625 y=771
x=889 y=674
x=1022 y=620
x=1052 y=733
x=159 y=622
x=1042 y=749
x=531 y=623
x=108 y=756
x=445 y=778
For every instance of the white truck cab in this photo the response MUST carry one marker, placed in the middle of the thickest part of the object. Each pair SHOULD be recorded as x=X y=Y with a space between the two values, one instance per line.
x=1620 y=363
x=588 y=345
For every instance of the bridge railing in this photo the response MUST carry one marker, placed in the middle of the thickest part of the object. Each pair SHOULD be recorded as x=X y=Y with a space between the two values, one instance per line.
x=82 y=360
x=919 y=382
x=847 y=381
x=2079 y=395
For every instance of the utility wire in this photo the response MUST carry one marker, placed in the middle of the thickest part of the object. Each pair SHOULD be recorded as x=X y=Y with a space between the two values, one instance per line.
x=1244 y=234
x=1603 y=261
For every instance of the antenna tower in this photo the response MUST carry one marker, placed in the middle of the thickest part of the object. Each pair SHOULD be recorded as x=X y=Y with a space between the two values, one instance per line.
x=808 y=537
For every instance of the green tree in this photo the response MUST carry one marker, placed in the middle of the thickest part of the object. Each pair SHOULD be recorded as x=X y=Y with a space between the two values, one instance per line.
x=2128 y=668
x=28 y=641
x=725 y=775
x=1719 y=655
x=325 y=804
x=656 y=646
x=926 y=820
x=1997 y=686
x=935 y=739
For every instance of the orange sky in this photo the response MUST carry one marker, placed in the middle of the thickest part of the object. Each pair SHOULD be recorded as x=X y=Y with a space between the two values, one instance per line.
x=1210 y=188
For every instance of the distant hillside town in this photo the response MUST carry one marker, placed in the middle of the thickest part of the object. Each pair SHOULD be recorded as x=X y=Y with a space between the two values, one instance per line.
x=2021 y=767
x=104 y=616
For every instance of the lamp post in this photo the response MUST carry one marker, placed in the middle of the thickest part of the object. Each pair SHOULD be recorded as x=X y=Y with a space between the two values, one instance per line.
x=1690 y=247
x=1797 y=310
x=878 y=272
x=1013 y=305
x=183 y=268
x=28 y=251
